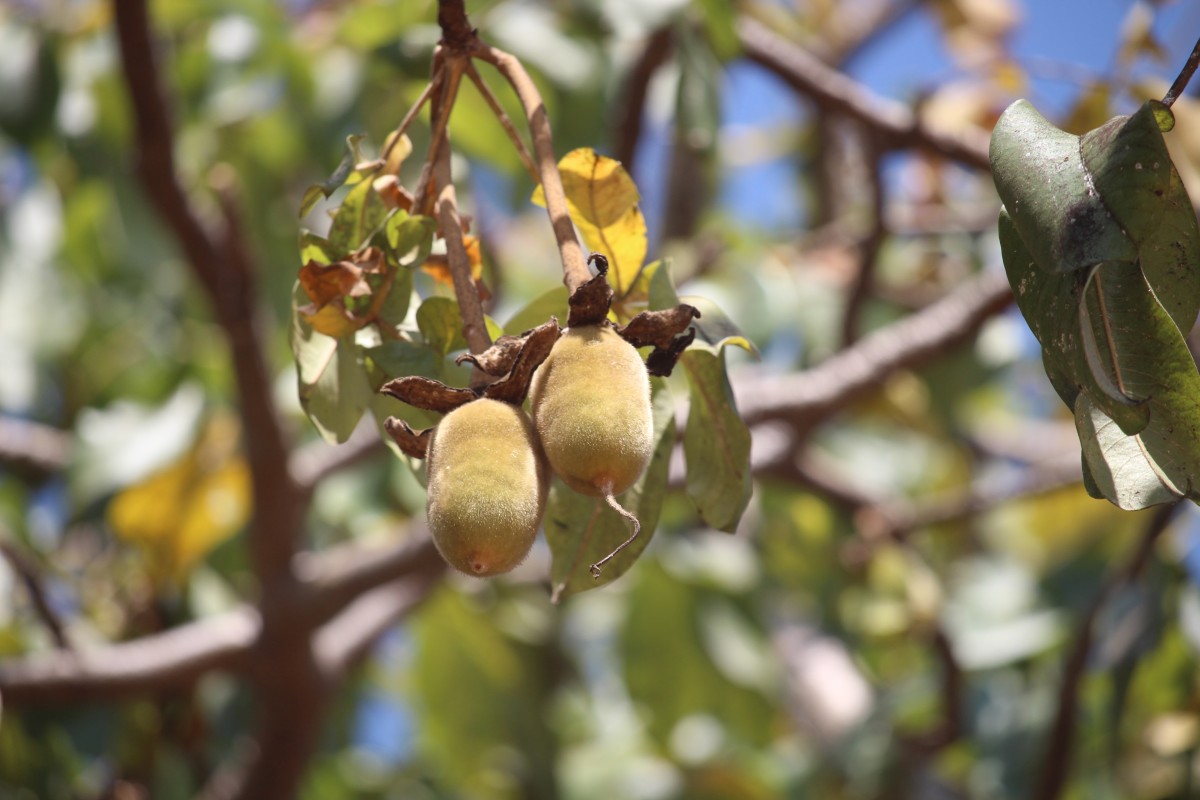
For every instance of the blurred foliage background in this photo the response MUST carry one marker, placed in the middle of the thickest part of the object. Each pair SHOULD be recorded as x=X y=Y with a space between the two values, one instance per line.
x=905 y=608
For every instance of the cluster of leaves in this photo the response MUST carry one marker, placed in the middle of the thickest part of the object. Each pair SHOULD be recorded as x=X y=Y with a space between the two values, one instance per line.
x=351 y=336
x=1102 y=248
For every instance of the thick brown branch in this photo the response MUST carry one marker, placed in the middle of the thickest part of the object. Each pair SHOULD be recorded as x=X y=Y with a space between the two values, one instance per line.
x=139 y=668
x=220 y=264
x=575 y=271
x=836 y=92
x=807 y=397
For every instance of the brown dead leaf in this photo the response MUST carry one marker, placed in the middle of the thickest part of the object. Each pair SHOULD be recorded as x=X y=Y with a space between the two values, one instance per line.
x=324 y=283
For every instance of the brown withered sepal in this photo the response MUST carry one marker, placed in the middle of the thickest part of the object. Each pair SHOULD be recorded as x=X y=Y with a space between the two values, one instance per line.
x=411 y=443
x=427 y=393
x=589 y=303
x=535 y=346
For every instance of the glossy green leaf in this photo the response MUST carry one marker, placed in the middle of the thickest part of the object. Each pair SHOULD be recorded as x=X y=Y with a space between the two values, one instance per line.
x=1051 y=303
x=344 y=168
x=360 y=214
x=716 y=442
x=1040 y=177
x=582 y=530
x=1162 y=462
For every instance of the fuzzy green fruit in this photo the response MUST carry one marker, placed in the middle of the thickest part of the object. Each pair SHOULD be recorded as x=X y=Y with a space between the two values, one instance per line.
x=591 y=409
x=487 y=487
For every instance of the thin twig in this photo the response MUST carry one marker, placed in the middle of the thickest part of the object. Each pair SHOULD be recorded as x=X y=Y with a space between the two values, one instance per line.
x=575 y=269
x=505 y=121
x=443 y=104
x=1060 y=741
x=27 y=571
x=474 y=326
x=408 y=118
x=1185 y=75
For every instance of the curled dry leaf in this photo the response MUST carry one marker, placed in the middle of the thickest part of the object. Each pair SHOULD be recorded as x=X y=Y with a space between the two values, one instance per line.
x=498 y=359
x=411 y=443
x=589 y=303
x=662 y=360
x=536 y=345
x=427 y=393
x=667 y=331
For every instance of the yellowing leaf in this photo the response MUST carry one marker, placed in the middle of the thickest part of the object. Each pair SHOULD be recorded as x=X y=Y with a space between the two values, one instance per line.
x=602 y=200
x=332 y=320
x=438 y=266
x=180 y=513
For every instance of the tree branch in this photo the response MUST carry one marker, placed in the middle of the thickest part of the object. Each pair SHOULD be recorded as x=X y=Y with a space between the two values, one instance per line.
x=220 y=264
x=835 y=91
x=1060 y=741
x=139 y=668
x=575 y=269
x=806 y=398
x=1185 y=75
x=628 y=129
x=27 y=571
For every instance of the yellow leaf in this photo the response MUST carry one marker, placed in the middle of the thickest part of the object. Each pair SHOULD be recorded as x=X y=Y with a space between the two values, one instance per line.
x=602 y=200
x=180 y=513
x=332 y=320
x=438 y=264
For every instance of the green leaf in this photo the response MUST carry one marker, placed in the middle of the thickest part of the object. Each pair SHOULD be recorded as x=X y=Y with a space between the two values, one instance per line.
x=539 y=310
x=319 y=249
x=1128 y=167
x=395 y=359
x=1051 y=303
x=668 y=627
x=440 y=321
x=361 y=213
x=333 y=385
x=720 y=25
x=716 y=443
x=1162 y=462
x=582 y=530
x=1170 y=259
x=395 y=306
x=337 y=179
x=1040 y=177
x=715 y=329
x=410 y=238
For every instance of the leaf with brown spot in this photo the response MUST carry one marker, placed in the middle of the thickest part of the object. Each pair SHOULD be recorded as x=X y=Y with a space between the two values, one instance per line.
x=412 y=443
x=324 y=283
x=427 y=393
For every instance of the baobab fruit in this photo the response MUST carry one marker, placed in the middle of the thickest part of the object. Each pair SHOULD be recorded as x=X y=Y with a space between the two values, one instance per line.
x=487 y=487
x=591 y=409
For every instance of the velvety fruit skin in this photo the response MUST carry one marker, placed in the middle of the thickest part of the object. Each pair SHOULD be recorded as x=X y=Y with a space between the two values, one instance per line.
x=591 y=409
x=487 y=487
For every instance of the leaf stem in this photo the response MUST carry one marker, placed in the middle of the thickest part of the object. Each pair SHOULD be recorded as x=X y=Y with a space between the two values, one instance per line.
x=426 y=93
x=1185 y=75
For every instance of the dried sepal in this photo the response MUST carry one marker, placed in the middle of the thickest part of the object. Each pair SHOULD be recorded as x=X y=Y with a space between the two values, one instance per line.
x=427 y=393
x=667 y=331
x=589 y=303
x=536 y=345
x=498 y=359
x=662 y=360
x=411 y=443
x=658 y=328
